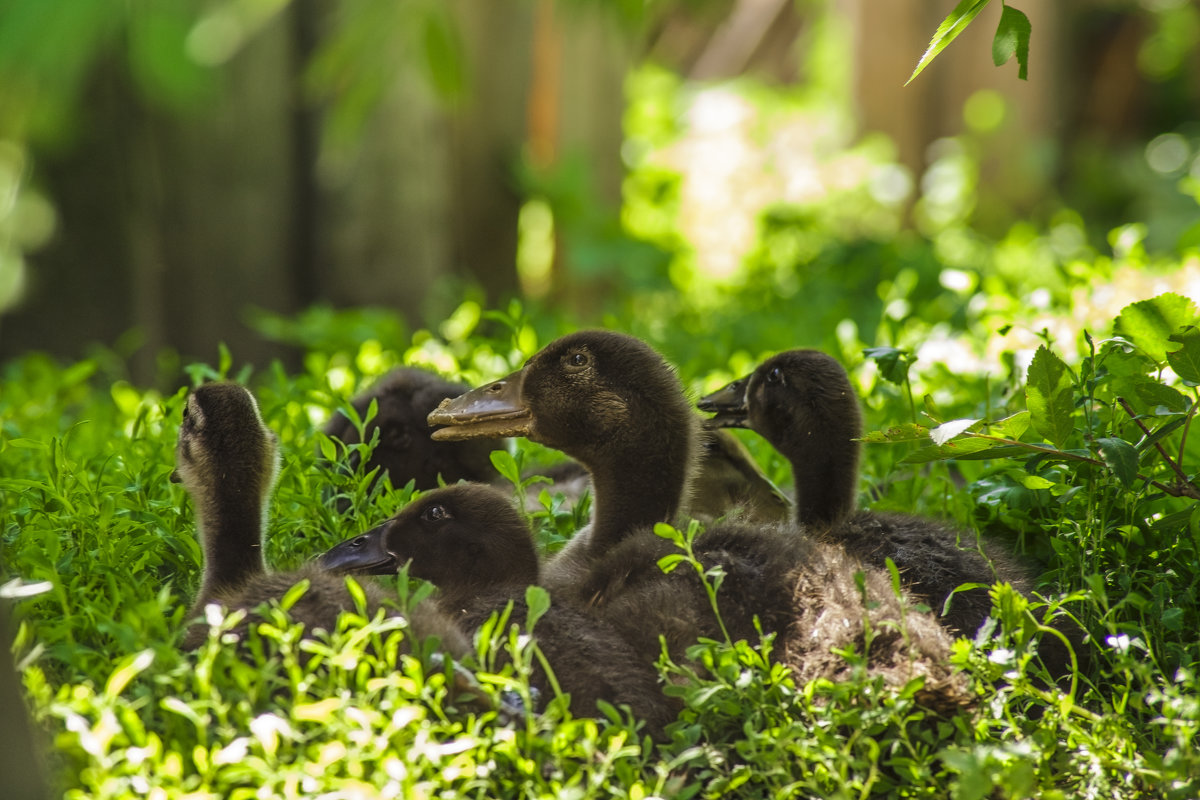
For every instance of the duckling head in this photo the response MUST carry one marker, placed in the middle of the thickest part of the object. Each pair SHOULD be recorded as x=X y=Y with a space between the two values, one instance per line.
x=590 y=394
x=463 y=535
x=224 y=447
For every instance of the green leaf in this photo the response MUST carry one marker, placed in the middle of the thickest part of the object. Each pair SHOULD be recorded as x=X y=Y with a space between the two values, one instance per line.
x=506 y=465
x=443 y=53
x=955 y=449
x=1049 y=393
x=1033 y=481
x=1121 y=458
x=948 y=430
x=1012 y=38
x=1186 y=360
x=908 y=432
x=954 y=24
x=537 y=600
x=129 y=668
x=1013 y=427
x=1150 y=323
x=893 y=363
x=1154 y=394
x=293 y=594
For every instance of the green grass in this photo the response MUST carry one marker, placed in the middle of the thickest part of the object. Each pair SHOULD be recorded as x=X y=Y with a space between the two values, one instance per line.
x=106 y=544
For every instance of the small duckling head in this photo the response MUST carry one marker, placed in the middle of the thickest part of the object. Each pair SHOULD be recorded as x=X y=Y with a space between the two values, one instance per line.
x=224 y=446
x=803 y=393
x=466 y=536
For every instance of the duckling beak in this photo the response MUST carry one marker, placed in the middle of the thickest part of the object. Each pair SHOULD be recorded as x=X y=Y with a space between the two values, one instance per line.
x=491 y=411
x=366 y=554
x=729 y=405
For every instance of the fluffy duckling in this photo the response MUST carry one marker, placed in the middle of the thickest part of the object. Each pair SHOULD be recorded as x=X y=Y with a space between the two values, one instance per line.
x=802 y=402
x=404 y=397
x=612 y=403
x=228 y=460
x=471 y=542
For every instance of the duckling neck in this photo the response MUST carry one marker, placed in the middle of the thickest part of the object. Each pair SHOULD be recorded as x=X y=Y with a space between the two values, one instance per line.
x=825 y=479
x=231 y=528
x=622 y=507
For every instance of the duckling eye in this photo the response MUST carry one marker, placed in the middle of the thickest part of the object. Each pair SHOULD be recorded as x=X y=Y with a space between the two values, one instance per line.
x=435 y=513
x=775 y=375
x=578 y=360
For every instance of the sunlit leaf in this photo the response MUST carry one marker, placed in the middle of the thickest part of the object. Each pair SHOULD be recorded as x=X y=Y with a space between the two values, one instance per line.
x=1049 y=393
x=1012 y=38
x=954 y=24
x=1150 y=323
x=1120 y=457
x=506 y=465
x=948 y=430
x=907 y=432
x=1034 y=481
x=537 y=600
x=1013 y=427
x=1186 y=360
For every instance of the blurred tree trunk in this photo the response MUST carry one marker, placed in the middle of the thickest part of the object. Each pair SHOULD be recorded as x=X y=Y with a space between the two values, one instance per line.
x=176 y=225
x=488 y=130
x=172 y=225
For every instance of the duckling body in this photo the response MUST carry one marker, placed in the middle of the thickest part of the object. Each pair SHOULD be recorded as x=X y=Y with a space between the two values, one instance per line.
x=228 y=460
x=612 y=403
x=469 y=540
x=802 y=402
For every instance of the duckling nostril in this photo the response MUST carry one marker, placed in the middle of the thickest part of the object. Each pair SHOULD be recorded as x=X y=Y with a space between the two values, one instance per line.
x=496 y=387
x=359 y=542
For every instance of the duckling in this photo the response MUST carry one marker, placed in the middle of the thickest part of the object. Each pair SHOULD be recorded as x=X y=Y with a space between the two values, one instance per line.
x=611 y=402
x=802 y=402
x=228 y=460
x=471 y=542
x=404 y=397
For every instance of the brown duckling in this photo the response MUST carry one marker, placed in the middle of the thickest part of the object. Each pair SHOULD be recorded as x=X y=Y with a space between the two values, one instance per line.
x=228 y=460
x=802 y=402
x=471 y=542
x=404 y=397
x=611 y=402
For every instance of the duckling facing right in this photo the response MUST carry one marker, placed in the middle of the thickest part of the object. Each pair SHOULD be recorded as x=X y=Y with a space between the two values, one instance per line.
x=228 y=460
x=611 y=402
x=469 y=541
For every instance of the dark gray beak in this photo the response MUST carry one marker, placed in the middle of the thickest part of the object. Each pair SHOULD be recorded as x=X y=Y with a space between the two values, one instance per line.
x=728 y=404
x=366 y=554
